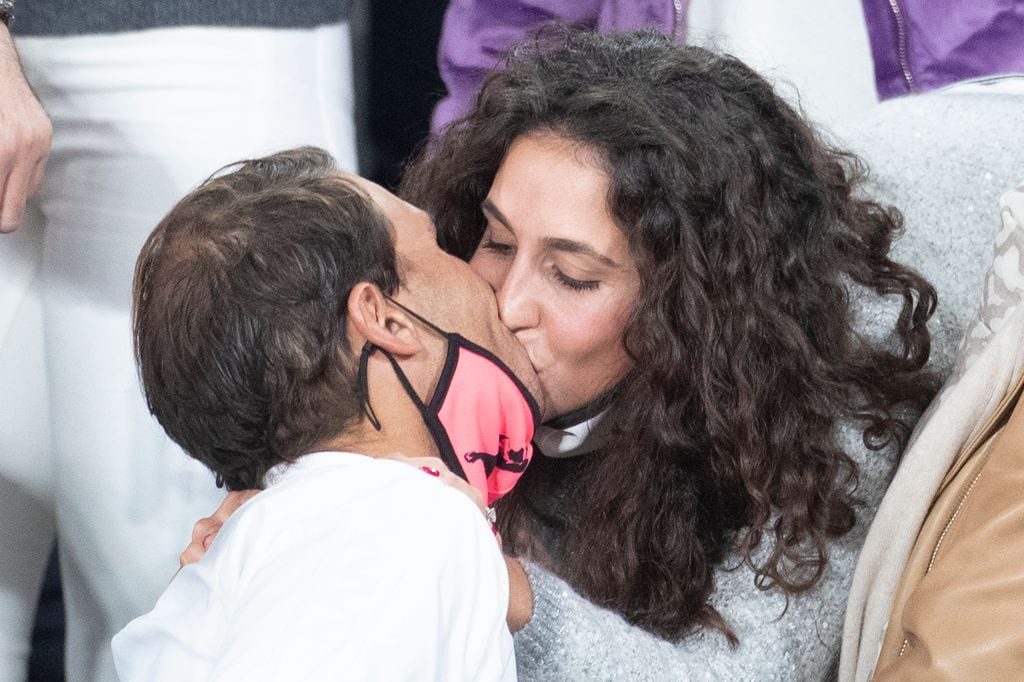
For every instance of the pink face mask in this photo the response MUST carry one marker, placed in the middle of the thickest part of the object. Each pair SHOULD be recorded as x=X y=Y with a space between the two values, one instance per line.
x=481 y=416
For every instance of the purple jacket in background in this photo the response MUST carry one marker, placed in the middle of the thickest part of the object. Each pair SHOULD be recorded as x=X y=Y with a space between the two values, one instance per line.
x=478 y=33
x=920 y=45
x=917 y=45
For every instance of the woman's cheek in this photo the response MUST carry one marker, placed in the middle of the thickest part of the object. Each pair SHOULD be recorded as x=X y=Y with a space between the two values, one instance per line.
x=578 y=353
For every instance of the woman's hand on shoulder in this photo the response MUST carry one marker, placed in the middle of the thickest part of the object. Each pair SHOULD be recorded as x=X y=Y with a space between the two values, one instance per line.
x=433 y=466
x=206 y=529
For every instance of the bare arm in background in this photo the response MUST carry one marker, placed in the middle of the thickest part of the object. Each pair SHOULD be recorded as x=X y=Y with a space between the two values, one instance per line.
x=25 y=135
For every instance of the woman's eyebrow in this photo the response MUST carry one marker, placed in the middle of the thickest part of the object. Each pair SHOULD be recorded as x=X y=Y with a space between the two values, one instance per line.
x=488 y=207
x=553 y=243
x=579 y=248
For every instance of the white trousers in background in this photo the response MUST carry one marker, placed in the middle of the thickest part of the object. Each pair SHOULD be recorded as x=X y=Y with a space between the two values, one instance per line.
x=139 y=119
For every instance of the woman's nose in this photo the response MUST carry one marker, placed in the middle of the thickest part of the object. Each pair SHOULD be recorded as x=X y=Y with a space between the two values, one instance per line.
x=517 y=303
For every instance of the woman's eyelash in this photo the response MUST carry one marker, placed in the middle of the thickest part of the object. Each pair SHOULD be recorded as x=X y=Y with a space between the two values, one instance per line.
x=497 y=247
x=576 y=284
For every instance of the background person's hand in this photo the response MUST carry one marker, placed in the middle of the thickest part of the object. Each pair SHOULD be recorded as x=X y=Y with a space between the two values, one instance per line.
x=25 y=135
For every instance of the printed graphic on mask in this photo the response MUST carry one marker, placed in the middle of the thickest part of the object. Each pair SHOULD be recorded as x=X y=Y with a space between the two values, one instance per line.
x=507 y=460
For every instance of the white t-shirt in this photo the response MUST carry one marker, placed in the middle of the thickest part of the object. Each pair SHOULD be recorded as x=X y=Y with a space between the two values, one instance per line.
x=345 y=568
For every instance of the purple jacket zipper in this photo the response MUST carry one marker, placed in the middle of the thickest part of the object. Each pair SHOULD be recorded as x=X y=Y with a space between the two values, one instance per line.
x=901 y=43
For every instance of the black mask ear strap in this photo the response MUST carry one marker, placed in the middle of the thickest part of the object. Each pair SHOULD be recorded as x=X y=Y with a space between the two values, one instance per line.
x=419 y=317
x=364 y=387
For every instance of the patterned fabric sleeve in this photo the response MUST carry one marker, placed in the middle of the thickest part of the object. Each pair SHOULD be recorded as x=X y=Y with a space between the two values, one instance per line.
x=1004 y=281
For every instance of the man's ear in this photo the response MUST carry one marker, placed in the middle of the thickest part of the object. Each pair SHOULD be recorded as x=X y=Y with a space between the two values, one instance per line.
x=377 y=320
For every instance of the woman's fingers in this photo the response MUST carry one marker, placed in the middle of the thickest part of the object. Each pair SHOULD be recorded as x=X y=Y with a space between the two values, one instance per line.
x=433 y=466
x=206 y=529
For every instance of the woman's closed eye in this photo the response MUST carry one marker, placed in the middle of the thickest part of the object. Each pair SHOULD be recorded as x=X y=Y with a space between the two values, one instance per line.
x=501 y=249
x=576 y=284
x=506 y=251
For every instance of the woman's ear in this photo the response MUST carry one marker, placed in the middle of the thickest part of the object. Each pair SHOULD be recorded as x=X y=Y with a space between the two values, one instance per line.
x=377 y=320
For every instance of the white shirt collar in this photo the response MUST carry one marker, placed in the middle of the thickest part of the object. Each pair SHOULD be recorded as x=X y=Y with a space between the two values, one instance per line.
x=309 y=462
x=569 y=441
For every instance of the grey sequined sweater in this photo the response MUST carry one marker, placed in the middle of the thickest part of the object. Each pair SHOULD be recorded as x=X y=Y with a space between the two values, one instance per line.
x=76 y=17
x=947 y=186
x=569 y=638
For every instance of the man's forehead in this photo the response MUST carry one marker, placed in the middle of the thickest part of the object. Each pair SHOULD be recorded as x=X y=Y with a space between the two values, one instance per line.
x=388 y=202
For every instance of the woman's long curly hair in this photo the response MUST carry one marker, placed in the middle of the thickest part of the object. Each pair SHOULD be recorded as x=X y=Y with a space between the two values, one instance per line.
x=749 y=234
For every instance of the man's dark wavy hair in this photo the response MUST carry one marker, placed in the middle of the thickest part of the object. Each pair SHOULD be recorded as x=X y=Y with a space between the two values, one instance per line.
x=240 y=309
x=749 y=234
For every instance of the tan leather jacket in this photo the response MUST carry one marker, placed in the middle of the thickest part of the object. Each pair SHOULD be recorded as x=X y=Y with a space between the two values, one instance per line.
x=958 y=613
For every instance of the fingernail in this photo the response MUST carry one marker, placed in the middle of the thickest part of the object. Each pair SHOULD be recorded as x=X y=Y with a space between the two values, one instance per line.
x=430 y=471
x=208 y=539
